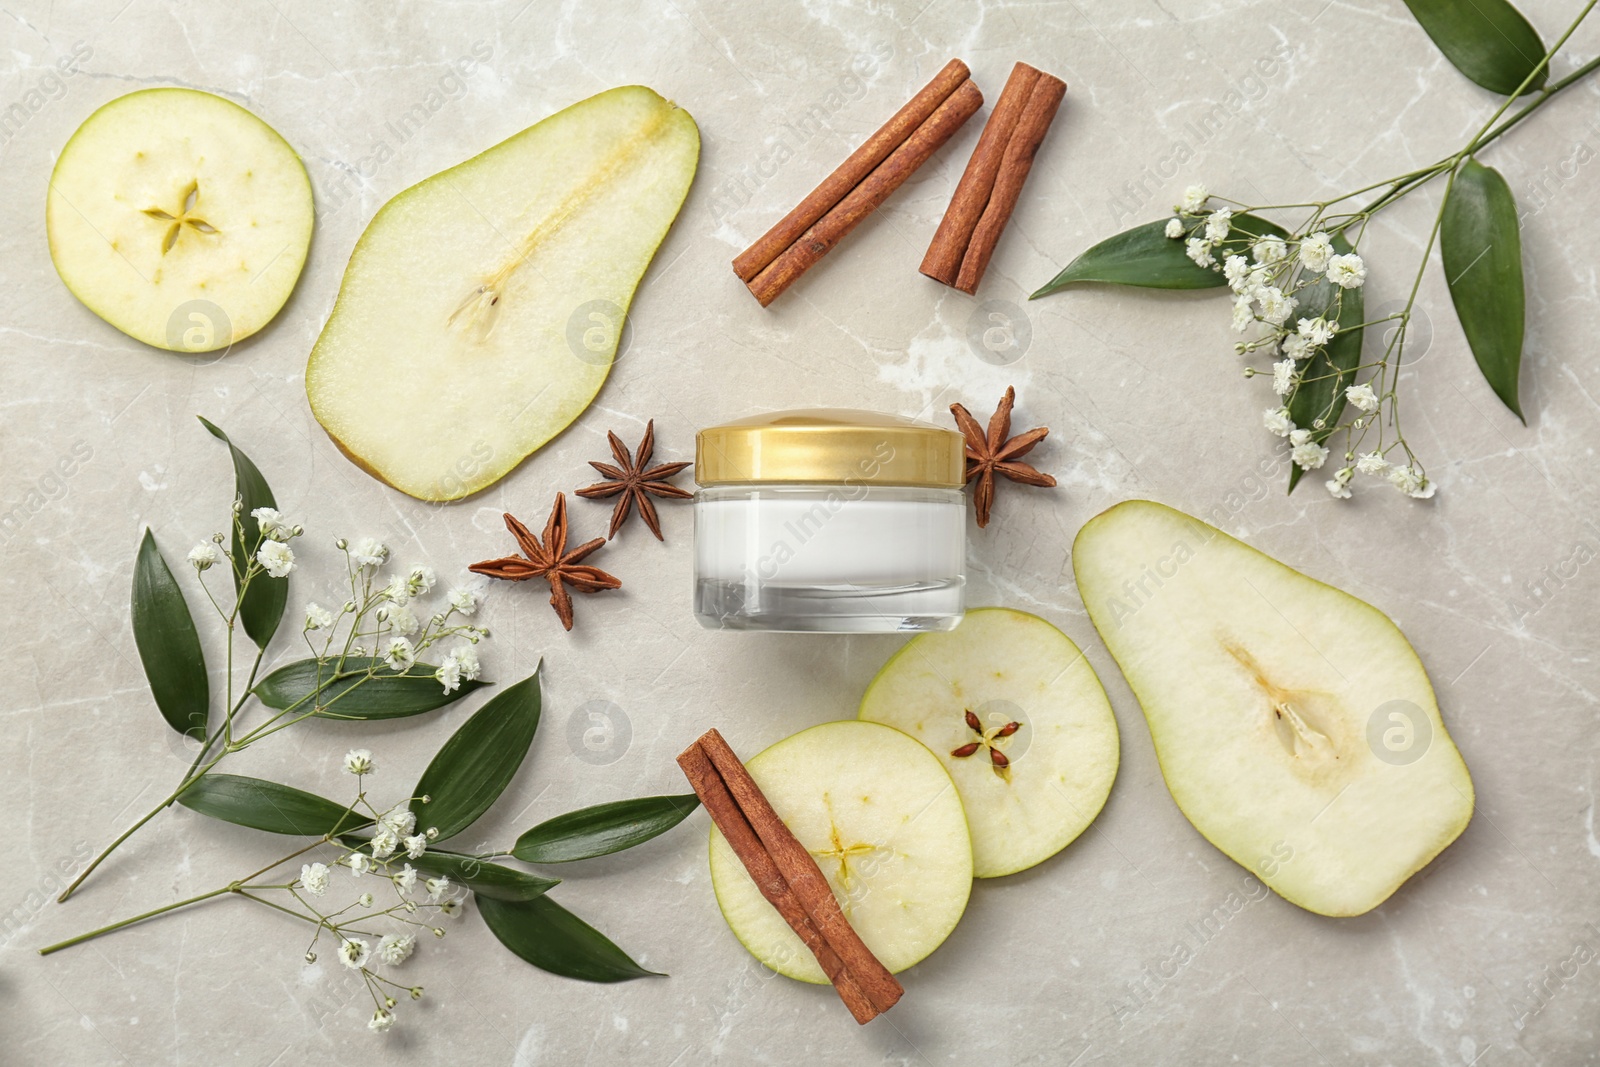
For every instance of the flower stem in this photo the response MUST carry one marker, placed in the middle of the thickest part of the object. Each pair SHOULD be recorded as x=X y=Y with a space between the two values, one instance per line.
x=141 y=917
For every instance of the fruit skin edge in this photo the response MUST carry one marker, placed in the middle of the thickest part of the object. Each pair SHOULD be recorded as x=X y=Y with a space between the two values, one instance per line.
x=1116 y=769
x=626 y=304
x=1472 y=797
x=711 y=839
x=233 y=338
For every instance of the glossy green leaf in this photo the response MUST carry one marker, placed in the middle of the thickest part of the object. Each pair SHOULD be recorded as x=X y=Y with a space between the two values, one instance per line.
x=474 y=767
x=603 y=829
x=1145 y=256
x=263 y=805
x=553 y=939
x=352 y=694
x=264 y=601
x=1481 y=249
x=1332 y=370
x=1487 y=40
x=169 y=647
x=484 y=878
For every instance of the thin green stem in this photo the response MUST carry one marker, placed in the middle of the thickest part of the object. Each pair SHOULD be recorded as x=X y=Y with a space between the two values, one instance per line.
x=69 y=942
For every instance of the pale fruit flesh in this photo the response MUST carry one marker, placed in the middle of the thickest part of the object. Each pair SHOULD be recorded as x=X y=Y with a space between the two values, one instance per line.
x=179 y=218
x=1295 y=726
x=1006 y=666
x=482 y=307
x=882 y=820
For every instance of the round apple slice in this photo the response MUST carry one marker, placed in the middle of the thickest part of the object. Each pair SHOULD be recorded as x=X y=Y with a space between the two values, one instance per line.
x=1015 y=713
x=885 y=825
x=180 y=218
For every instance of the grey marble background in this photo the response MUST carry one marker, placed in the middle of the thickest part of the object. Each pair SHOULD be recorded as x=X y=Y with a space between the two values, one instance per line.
x=1068 y=963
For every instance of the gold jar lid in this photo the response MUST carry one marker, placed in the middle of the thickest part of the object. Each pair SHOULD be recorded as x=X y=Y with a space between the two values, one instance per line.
x=830 y=446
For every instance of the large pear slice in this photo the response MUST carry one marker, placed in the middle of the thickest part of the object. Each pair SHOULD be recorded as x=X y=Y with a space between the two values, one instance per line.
x=885 y=825
x=1295 y=726
x=482 y=308
x=180 y=218
x=1028 y=790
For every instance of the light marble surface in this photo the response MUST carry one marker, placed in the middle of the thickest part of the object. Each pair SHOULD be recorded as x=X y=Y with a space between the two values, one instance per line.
x=1143 y=397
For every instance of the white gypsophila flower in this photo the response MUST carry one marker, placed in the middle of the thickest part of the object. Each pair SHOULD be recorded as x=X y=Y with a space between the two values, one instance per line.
x=358 y=761
x=1194 y=198
x=1362 y=397
x=365 y=899
x=396 y=590
x=318 y=617
x=1283 y=377
x=353 y=952
x=1236 y=269
x=451 y=907
x=1348 y=271
x=401 y=619
x=314 y=878
x=384 y=843
x=1174 y=228
x=449 y=674
x=395 y=950
x=1411 y=482
x=369 y=552
x=467 y=658
x=1218 y=223
x=1297 y=347
x=399 y=654
x=416 y=845
x=1339 y=485
x=1243 y=314
x=1315 y=251
x=1372 y=463
x=205 y=555
x=1277 y=421
x=401 y=819
x=381 y=1021
x=1200 y=251
x=1299 y=437
x=406 y=880
x=359 y=863
x=437 y=887
x=1318 y=331
x=276 y=558
x=272 y=524
x=1269 y=250
x=1275 y=307
x=420 y=579
x=1309 y=455
x=464 y=601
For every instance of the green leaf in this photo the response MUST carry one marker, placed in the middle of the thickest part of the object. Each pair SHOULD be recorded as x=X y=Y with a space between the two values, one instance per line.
x=1481 y=249
x=1487 y=40
x=553 y=939
x=353 y=694
x=474 y=767
x=263 y=805
x=484 y=878
x=169 y=648
x=1332 y=369
x=262 y=607
x=1145 y=256
x=603 y=829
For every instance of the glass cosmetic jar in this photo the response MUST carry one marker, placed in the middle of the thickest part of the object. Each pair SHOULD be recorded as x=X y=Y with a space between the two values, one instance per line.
x=831 y=521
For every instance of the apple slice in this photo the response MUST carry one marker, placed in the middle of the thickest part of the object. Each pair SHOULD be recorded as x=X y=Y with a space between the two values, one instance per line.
x=180 y=218
x=482 y=308
x=1295 y=726
x=1029 y=789
x=885 y=825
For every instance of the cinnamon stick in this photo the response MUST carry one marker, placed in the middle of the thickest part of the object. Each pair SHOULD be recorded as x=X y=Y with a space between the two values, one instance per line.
x=787 y=876
x=992 y=193
x=861 y=201
x=849 y=174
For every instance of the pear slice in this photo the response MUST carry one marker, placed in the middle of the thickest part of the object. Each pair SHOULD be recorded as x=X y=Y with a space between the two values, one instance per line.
x=180 y=218
x=1294 y=724
x=482 y=308
x=1053 y=770
x=883 y=822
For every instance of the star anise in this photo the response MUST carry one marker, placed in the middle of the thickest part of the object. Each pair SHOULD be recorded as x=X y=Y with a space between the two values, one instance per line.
x=635 y=479
x=997 y=453
x=551 y=561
